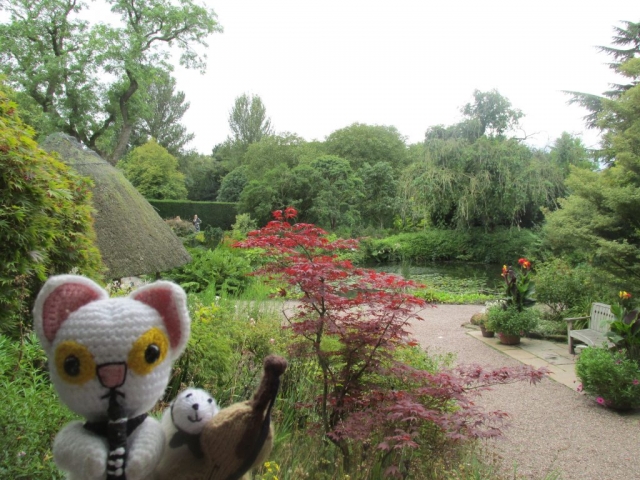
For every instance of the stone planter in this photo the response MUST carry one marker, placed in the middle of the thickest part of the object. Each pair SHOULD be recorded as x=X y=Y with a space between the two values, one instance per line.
x=486 y=333
x=509 y=339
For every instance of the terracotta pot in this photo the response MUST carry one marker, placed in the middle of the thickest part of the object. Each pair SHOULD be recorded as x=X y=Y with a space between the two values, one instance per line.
x=509 y=339
x=486 y=333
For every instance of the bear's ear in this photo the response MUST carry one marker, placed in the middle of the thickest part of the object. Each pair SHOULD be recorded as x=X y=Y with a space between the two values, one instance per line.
x=170 y=301
x=60 y=296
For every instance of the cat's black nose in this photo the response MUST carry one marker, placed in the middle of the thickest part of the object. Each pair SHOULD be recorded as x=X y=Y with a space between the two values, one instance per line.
x=195 y=406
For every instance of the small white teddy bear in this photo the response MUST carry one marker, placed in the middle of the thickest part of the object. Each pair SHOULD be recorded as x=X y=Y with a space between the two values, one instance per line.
x=182 y=424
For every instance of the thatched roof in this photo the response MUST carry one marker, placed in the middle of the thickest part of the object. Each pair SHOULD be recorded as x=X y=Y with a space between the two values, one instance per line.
x=132 y=238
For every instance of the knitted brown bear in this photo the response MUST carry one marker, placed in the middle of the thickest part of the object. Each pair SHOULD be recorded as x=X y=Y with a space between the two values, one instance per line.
x=236 y=439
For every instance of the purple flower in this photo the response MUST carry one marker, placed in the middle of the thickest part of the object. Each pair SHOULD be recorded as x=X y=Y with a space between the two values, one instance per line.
x=600 y=400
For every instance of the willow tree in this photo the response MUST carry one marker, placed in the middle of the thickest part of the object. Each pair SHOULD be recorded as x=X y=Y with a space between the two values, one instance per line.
x=488 y=182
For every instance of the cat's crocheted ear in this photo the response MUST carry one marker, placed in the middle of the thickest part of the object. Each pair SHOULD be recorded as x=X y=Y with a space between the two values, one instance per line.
x=60 y=296
x=170 y=301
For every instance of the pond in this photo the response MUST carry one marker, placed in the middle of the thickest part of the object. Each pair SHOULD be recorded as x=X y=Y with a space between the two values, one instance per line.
x=453 y=277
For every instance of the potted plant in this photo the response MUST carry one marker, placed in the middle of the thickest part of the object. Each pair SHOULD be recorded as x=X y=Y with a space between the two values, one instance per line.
x=480 y=319
x=512 y=318
x=511 y=324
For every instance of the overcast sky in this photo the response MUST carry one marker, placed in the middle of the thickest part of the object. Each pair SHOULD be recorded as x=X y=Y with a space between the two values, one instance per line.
x=322 y=65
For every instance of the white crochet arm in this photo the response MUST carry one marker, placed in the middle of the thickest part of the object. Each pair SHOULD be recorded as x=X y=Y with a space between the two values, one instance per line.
x=145 y=446
x=80 y=453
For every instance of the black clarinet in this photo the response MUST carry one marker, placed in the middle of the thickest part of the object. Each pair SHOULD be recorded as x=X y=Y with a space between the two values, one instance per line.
x=117 y=439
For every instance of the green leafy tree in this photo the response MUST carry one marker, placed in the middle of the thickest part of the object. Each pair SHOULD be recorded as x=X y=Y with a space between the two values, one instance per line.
x=600 y=218
x=232 y=185
x=248 y=120
x=492 y=113
x=285 y=151
x=84 y=76
x=160 y=115
x=360 y=144
x=203 y=176
x=378 y=203
x=337 y=192
x=154 y=172
x=629 y=37
x=45 y=219
x=489 y=182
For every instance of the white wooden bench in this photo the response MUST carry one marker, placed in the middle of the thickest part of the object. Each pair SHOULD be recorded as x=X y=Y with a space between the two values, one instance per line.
x=599 y=321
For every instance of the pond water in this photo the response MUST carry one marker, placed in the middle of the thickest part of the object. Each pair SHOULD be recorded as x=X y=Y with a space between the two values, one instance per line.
x=450 y=276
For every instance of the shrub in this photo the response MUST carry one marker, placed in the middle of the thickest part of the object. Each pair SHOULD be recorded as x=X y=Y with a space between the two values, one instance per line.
x=31 y=411
x=221 y=267
x=182 y=228
x=45 y=219
x=434 y=244
x=610 y=376
x=510 y=321
x=567 y=291
x=226 y=350
x=243 y=225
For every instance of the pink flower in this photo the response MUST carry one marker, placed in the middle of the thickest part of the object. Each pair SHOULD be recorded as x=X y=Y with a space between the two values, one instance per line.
x=600 y=400
x=635 y=381
x=579 y=388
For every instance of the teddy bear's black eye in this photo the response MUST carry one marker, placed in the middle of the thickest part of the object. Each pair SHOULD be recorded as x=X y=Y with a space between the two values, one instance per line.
x=152 y=353
x=210 y=400
x=72 y=366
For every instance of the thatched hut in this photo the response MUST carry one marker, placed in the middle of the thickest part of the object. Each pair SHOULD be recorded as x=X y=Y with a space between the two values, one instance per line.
x=131 y=236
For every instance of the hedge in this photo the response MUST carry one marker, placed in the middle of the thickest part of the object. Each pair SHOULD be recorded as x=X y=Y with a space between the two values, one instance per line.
x=214 y=214
x=433 y=245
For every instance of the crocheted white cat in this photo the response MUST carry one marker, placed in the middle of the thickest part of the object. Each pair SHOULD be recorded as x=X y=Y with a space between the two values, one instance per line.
x=110 y=361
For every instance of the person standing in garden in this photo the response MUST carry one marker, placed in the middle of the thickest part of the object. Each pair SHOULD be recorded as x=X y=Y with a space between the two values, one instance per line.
x=196 y=223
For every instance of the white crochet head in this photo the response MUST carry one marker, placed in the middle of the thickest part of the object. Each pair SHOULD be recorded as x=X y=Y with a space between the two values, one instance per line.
x=192 y=409
x=99 y=346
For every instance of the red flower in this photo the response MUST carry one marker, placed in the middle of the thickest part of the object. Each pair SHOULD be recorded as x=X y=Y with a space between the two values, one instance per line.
x=290 y=212
x=277 y=214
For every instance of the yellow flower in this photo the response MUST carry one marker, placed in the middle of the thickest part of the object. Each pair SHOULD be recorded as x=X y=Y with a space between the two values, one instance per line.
x=625 y=295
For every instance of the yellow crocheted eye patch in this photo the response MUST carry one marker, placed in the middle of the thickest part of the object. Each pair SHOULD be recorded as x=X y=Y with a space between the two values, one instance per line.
x=74 y=363
x=148 y=351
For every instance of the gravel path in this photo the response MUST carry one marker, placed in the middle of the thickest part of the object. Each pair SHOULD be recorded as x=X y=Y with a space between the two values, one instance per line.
x=554 y=429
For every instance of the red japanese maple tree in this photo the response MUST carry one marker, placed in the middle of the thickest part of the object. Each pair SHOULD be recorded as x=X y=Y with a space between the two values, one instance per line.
x=351 y=321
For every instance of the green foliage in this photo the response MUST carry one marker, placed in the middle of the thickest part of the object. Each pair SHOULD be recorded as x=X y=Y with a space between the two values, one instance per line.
x=232 y=185
x=244 y=224
x=248 y=120
x=84 y=76
x=488 y=182
x=625 y=330
x=337 y=192
x=226 y=349
x=31 y=411
x=45 y=218
x=203 y=176
x=182 y=228
x=433 y=244
x=610 y=376
x=154 y=172
x=215 y=214
x=492 y=112
x=511 y=321
x=360 y=144
x=378 y=203
x=568 y=291
x=598 y=222
x=223 y=269
x=160 y=114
